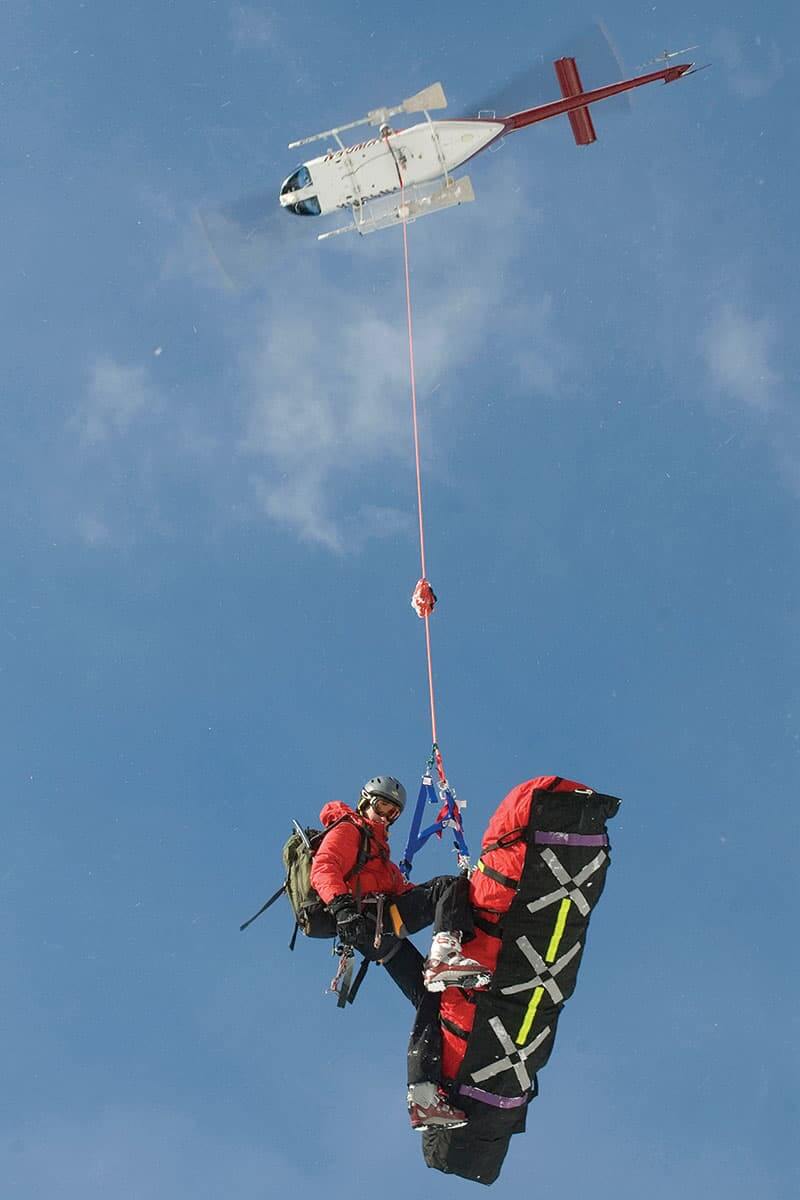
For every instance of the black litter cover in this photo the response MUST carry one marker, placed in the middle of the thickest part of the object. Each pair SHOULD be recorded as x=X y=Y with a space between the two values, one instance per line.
x=544 y=934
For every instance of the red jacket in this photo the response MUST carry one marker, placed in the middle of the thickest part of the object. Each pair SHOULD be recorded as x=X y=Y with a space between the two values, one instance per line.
x=338 y=852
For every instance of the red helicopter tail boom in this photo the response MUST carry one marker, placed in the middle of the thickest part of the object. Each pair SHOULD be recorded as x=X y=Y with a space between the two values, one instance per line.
x=575 y=102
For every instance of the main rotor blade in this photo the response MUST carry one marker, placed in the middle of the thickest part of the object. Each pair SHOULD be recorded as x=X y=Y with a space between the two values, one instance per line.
x=598 y=63
x=429 y=98
x=251 y=237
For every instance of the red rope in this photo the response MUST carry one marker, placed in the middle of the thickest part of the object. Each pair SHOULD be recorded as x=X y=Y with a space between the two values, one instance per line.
x=415 y=425
x=413 y=392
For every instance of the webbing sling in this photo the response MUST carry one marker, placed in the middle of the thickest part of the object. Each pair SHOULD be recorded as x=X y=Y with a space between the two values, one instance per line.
x=508 y=839
x=264 y=907
x=451 y=1027
x=359 y=979
x=362 y=858
x=341 y=981
x=503 y=880
x=492 y=928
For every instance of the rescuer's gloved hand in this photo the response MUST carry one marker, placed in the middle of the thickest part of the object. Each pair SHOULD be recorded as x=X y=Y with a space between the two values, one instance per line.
x=350 y=924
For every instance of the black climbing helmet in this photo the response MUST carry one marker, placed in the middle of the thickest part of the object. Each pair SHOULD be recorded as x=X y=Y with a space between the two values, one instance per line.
x=383 y=787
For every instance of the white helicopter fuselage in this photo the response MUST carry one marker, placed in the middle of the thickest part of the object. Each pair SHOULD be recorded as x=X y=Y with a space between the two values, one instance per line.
x=345 y=178
x=419 y=160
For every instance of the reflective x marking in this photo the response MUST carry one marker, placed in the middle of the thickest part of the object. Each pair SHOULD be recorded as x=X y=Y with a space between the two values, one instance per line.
x=515 y=1059
x=570 y=887
x=544 y=978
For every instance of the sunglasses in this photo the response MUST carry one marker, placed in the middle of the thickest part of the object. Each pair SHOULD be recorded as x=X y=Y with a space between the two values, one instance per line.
x=385 y=808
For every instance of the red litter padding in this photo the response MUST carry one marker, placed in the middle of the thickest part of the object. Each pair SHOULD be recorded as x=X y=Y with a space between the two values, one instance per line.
x=423 y=600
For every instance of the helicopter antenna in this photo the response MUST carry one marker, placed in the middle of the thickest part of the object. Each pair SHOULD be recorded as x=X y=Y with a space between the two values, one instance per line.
x=666 y=56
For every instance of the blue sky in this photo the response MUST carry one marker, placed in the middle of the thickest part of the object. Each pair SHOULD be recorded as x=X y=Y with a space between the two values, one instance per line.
x=210 y=545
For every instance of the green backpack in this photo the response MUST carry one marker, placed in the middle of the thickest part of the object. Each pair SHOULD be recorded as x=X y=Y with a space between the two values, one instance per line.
x=310 y=914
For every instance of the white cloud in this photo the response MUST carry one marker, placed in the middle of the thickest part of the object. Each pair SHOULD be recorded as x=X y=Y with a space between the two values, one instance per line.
x=753 y=67
x=298 y=502
x=328 y=378
x=93 y=530
x=326 y=403
x=251 y=28
x=737 y=349
x=319 y=437
x=116 y=397
x=130 y=442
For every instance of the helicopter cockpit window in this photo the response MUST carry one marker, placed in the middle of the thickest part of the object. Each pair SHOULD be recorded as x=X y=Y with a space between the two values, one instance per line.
x=309 y=206
x=300 y=179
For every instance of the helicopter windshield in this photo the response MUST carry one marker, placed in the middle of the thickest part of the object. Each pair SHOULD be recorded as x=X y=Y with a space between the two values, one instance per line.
x=306 y=208
x=309 y=205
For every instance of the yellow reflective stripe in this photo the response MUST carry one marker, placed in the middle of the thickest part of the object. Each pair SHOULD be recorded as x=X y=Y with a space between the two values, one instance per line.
x=480 y=864
x=530 y=1013
x=558 y=932
x=550 y=956
x=397 y=921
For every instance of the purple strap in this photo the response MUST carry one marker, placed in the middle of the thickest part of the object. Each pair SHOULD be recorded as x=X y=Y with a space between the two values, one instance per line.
x=541 y=838
x=490 y=1098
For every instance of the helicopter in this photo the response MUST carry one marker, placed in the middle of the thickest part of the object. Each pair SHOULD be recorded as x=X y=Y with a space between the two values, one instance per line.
x=418 y=162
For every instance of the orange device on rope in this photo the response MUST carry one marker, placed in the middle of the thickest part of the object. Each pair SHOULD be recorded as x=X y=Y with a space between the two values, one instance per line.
x=423 y=600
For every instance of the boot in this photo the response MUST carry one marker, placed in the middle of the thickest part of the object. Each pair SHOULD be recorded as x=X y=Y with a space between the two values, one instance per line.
x=446 y=966
x=429 y=1107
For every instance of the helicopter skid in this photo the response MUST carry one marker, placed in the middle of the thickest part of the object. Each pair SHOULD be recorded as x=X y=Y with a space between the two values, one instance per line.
x=419 y=200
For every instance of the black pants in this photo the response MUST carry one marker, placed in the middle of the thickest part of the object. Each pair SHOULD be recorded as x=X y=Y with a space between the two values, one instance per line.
x=444 y=903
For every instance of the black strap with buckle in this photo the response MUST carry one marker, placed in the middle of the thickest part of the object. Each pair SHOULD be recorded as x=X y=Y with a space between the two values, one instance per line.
x=503 y=880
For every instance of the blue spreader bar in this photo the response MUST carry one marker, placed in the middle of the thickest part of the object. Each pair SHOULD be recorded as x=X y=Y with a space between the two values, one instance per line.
x=442 y=797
